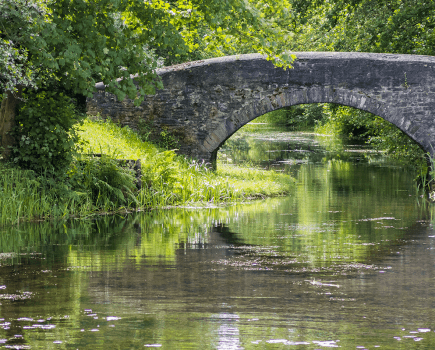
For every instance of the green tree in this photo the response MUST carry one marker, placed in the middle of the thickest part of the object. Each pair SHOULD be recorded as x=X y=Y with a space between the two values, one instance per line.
x=73 y=44
x=384 y=26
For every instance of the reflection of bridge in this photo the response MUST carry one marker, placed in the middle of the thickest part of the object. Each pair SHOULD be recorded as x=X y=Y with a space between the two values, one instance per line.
x=205 y=102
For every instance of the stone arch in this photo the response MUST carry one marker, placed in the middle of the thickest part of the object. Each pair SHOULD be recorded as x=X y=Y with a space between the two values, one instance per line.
x=205 y=102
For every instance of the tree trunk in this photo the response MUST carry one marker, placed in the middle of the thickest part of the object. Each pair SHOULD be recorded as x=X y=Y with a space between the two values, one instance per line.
x=7 y=121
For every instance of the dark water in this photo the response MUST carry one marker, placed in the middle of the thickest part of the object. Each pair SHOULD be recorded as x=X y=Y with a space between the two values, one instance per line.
x=346 y=261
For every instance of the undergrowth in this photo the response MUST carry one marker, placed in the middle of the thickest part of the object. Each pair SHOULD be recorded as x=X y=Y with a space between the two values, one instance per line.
x=97 y=182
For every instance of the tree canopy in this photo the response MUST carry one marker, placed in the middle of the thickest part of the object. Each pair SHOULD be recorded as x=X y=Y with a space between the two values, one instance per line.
x=70 y=45
x=76 y=43
x=384 y=26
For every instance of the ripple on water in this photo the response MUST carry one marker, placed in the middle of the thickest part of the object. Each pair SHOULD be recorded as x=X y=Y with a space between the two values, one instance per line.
x=327 y=343
x=16 y=296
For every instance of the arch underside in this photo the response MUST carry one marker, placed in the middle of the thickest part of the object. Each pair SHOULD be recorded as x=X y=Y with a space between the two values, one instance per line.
x=254 y=109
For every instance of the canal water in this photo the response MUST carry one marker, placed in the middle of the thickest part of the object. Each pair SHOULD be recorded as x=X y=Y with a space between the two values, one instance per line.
x=345 y=261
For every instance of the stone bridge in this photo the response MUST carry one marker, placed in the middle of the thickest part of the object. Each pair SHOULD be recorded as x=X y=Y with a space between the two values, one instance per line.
x=203 y=103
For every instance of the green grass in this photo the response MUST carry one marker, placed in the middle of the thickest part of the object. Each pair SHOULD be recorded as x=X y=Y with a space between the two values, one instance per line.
x=173 y=180
x=27 y=197
x=100 y=185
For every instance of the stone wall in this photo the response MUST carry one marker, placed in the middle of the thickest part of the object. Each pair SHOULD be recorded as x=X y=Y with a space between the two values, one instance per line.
x=205 y=102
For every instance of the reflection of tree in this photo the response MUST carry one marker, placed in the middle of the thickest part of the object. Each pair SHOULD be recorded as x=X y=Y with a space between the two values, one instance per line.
x=337 y=189
x=229 y=237
x=264 y=148
x=340 y=190
x=330 y=219
x=284 y=150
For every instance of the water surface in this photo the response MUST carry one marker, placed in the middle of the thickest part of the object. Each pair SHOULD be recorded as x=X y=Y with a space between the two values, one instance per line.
x=346 y=261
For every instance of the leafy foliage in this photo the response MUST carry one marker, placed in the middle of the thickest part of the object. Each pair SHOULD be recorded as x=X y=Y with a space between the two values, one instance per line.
x=73 y=44
x=45 y=138
x=399 y=26
x=109 y=184
x=298 y=118
x=76 y=43
x=388 y=137
x=346 y=121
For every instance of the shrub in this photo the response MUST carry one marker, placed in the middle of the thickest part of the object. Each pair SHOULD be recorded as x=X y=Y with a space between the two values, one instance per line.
x=45 y=139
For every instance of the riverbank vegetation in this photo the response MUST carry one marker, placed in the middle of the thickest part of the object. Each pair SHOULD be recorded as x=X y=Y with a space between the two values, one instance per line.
x=382 y=135
x=52 y=51
x=93 y=184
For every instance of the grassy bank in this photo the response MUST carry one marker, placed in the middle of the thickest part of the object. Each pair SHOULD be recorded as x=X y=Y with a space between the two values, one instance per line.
x=100 y=184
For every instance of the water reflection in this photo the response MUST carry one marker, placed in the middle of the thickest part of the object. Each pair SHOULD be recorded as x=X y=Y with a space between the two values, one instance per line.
x=346 y=261
x=228 y=333
x=270 y=147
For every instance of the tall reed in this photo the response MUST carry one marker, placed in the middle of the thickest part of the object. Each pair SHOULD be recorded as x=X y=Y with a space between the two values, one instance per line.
x=22 y=195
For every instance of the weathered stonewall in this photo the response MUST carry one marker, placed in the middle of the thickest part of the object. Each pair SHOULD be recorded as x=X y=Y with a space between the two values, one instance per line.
x=203 y=103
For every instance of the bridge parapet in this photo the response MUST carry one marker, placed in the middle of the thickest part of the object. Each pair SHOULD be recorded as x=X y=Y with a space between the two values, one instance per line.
x=203 y=103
